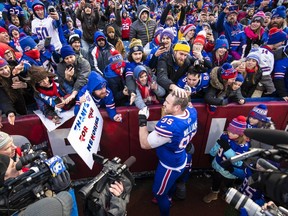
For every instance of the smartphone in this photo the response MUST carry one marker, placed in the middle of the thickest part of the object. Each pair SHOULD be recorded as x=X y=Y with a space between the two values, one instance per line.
x=69 y=66
x=161 y=44
x=58 y=100
x=47 y=41
x=15 y=79
x=51 y=10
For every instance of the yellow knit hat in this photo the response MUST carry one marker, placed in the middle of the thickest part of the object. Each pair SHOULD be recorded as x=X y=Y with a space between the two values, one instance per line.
x=135 y=45
x=182 y=45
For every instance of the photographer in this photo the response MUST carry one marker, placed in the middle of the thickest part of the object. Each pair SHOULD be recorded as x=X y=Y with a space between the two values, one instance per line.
x=111 y=201
x=61 y=204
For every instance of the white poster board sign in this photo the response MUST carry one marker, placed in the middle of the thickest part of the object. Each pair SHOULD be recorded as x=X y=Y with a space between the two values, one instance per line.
x=86 y=131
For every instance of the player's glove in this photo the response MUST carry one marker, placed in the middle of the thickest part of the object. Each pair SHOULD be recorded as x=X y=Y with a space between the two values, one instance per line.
x=143 y=115
x=223 y=143
x=61 y=182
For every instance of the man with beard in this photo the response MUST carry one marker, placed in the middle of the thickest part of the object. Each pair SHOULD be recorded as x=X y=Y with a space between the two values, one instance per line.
x=278 y=19
x=230 y=26
x=172 y=66
x=101 y=95
x=171 y=136
x=75 y=43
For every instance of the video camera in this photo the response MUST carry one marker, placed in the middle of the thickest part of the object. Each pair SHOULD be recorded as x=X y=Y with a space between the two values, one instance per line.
x=112 y=171
x=269 y=179
x=17 y=193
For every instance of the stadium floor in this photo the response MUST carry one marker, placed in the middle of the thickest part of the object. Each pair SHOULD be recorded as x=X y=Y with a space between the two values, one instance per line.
x=197 y=187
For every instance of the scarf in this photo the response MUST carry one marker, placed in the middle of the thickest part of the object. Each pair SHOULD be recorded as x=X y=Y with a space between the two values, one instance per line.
x=251 y=34
x=34 y=54
x=147 y=95
x=253 y=70
x=52 y=91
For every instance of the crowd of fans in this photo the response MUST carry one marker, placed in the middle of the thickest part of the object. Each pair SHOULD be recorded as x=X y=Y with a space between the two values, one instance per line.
x=136 y=52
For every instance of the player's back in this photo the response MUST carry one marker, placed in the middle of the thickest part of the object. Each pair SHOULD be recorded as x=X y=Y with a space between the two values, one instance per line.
x=180 y=129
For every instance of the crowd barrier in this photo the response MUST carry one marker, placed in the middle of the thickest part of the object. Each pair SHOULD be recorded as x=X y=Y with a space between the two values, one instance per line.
x=122 y=139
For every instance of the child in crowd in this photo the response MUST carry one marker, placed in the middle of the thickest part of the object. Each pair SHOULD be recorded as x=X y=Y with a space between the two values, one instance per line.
x=15 y=36
x=230 y=144
x=135 y=57
x=147 y=89
x=48 y=95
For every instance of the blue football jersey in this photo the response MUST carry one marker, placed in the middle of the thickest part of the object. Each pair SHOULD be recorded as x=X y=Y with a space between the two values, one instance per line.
x=180 y=129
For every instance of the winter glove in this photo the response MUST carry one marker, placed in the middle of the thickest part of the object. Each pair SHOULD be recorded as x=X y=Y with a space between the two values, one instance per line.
x=223 y=143
x=143 y=115
x=61 y=182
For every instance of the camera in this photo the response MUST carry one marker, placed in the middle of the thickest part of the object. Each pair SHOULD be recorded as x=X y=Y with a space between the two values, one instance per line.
x=23 y=190
x=111 y=172
x=69 y=67
x=239 y=200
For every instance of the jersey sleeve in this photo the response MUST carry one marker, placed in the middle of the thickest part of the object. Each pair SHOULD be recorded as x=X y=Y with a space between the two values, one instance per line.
x=164 y=127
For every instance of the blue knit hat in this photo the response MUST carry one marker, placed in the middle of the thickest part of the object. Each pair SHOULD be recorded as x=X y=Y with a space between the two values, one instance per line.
x=167 y=32
x=158 y=31
x=112 y=16
x=221 y=42
x=237 y=125
x=239 y=78
x=253 y=55
x=66 y=50
x=276 y=35
x=11 y=28
x=27 y=43
x=228 y=72
x=280 y=11
x=259 y=112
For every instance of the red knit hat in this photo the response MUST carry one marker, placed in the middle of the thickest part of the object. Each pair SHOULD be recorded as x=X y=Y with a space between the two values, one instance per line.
x=237 y=125
x=3 y=30
x=200 y=39
x=228 y=72
x=188 y=28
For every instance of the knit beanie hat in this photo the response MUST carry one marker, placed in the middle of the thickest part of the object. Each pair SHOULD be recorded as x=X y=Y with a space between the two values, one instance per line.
x=66 y=50
x=269 y=14
x=276 y=35
x=280 y=11
x=228 y=72
x=3 y=30
x=110 y=29
x=167 y=32
x=221 y=42
x=116 y=62
x=188 y=28
x=3 y=63
x=253 y=55
x=27 y=43
x=200 y=38
x=237 y=125
x=11 y=28
x=259 y=112
x=182 y=45
x=239 y=78
x=69 y=19
x=4 y=164
x=4 y=139
x=158 y=31
x=135 y=45
x=259 y=16
x=73 y=38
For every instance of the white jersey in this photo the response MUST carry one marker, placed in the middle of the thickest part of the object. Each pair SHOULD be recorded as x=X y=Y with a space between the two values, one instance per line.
x=43 y=28
x=266 y=60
